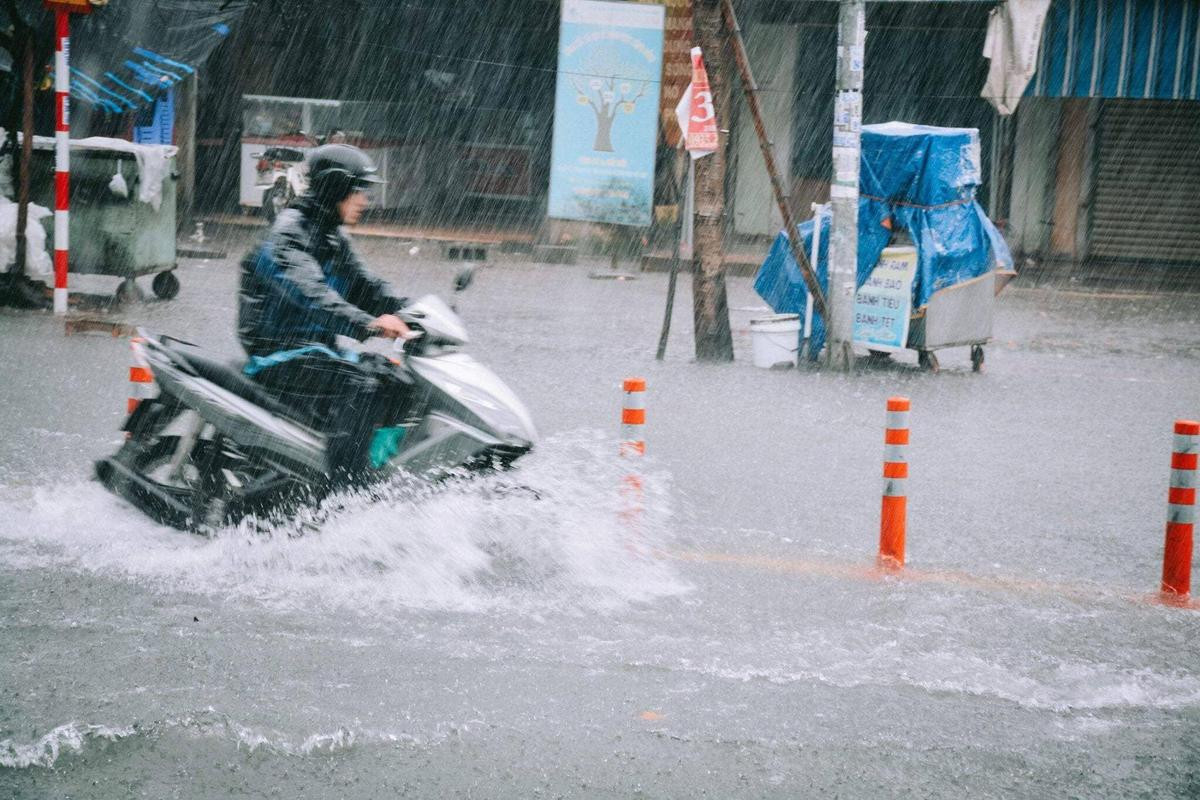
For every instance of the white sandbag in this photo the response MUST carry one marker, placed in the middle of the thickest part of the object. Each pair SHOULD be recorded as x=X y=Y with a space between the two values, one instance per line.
x=37 y=262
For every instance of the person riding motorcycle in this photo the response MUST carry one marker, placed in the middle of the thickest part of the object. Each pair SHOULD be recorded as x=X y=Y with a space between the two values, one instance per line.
x=301 y=288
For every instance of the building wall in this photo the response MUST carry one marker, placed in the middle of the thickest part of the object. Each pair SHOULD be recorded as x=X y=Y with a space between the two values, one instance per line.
x=1035 y=154
x=923 y=65
x=1142 y=213
x=450 y=72
x=772 y=51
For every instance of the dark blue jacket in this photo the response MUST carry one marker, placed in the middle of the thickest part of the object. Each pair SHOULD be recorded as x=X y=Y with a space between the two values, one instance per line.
x=304 y=285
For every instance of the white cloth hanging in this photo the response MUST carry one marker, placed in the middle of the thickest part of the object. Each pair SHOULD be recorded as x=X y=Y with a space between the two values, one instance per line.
x=1014 y=33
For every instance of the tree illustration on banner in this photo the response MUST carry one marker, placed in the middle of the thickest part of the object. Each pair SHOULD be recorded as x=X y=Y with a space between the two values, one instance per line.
x=608 y=96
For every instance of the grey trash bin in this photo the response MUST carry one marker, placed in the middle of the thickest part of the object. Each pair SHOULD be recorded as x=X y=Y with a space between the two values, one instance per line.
x=111 y=235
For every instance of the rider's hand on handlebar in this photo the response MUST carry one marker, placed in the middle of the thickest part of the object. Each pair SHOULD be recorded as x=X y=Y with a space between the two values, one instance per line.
x=390 y=326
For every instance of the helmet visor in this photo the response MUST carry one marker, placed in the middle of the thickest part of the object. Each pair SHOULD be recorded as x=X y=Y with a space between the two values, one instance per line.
x=367 y=180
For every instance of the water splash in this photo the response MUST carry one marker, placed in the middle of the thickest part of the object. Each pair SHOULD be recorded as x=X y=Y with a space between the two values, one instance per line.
x=554 y=534
x=74 y=738
x=45 y=751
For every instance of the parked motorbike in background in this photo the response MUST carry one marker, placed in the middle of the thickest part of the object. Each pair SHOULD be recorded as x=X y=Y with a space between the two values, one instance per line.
x=282 y=172
x=284 y=177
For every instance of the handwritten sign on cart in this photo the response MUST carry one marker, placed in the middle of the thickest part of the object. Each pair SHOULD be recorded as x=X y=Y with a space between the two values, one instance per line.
x=884 y=303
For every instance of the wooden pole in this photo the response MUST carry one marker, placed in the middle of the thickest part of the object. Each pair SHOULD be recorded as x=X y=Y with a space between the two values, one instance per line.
x=710 y=304
x=750 y=87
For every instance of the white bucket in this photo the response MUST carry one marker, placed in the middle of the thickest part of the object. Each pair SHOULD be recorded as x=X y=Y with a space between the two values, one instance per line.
x=775 y=340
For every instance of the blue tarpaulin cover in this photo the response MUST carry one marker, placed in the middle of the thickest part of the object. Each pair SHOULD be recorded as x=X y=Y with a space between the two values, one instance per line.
x=924 y=180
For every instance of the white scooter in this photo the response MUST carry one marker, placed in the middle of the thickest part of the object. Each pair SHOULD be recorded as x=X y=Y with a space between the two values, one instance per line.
x=214 y=446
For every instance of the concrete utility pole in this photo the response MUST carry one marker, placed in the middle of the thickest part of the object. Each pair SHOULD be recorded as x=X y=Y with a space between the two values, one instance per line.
x=710 y=306
x=847 y=148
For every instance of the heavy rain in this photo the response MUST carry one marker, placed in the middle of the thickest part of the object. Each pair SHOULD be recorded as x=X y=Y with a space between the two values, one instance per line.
x=599 y=398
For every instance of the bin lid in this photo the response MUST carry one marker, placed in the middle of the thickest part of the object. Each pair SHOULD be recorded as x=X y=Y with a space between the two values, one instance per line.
x=105 y=144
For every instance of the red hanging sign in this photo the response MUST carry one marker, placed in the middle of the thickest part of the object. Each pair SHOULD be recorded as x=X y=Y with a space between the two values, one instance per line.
x=695 y=113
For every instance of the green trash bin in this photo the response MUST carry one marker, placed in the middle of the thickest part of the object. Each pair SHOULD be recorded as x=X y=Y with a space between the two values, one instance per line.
x=109 y=234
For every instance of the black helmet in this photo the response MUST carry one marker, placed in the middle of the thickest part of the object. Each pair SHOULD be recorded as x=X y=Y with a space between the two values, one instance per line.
x=336 y=170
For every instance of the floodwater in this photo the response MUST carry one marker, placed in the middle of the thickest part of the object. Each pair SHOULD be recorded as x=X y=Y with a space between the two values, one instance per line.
x=731 y=640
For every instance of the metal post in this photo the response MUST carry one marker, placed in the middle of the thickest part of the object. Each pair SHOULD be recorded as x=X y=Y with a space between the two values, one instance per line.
x=682 y=185
x=62 y=155
x=847 y=147
x=806 y=339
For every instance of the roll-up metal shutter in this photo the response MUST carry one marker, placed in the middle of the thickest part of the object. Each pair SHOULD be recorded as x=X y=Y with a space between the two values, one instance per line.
x=1146 y=195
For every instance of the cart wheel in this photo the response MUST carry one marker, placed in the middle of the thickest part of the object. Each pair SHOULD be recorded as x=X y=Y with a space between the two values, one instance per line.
x=927 y=360
x=165 y=285
x=977 y=358
x=128 y=292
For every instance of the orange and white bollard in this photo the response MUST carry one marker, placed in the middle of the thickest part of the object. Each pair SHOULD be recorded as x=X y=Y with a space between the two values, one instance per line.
x=633 y=446
x=141 y=379
x=1181 y=510
x=633 y=417
x=894 y=510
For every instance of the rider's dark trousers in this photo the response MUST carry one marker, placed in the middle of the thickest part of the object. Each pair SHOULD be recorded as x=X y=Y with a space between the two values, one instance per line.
x=345 y=400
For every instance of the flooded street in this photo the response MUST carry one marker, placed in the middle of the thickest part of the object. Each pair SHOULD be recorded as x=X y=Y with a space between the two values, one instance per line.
x=525 y=636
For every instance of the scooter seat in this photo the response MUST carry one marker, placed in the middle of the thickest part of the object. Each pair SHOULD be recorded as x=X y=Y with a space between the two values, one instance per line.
x=229 y=376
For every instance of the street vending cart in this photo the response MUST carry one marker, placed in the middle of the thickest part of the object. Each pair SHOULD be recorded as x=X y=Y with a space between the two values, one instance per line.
x=122 y=219
x=930 y=262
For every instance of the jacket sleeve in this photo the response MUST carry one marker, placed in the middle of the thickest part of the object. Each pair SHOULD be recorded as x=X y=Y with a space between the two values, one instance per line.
x=368 y=292
x=300 y=280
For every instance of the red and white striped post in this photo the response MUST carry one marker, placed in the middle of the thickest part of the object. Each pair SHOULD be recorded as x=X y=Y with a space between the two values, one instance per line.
x=141 y=379
x=633 y=446
x=1181 y=510
x=62 y=154
x=894 y=509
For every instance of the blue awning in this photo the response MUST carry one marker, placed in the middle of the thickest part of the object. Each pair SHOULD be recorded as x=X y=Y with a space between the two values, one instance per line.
x=1120 y=48
x=126 y=57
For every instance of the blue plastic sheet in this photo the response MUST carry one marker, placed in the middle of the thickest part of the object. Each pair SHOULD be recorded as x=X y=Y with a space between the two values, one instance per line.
x=924 y=180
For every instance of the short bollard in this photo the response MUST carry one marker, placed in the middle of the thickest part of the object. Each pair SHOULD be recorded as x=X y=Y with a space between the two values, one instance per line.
x=1181 y=511
x=894 y=509
x=633 y=447
x=141 y=379
x=633 y=417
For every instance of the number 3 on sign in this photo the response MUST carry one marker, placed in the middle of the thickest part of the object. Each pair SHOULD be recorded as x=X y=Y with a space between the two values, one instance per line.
x=703 y=102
